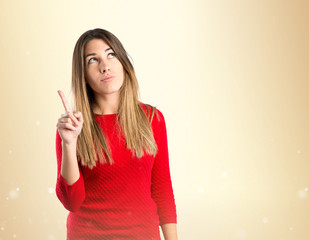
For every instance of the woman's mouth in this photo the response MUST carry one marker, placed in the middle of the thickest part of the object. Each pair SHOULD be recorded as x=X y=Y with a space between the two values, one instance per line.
x=107 y=78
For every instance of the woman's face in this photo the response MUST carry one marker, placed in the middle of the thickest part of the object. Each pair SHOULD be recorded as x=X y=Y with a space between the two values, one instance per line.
x=103 y=71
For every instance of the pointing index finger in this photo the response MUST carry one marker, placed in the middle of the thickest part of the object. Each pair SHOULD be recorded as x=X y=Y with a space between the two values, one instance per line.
x=67 y=107
x=64 y=101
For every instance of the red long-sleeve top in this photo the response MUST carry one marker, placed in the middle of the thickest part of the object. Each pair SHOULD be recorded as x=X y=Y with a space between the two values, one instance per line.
x=126 y=200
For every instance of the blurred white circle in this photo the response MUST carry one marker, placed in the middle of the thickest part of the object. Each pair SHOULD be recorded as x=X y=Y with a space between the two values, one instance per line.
x=13 y=194
x=51 y=190
x=265 y=220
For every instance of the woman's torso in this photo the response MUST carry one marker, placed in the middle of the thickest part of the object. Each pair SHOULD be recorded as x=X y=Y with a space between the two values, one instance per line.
x=118 y=203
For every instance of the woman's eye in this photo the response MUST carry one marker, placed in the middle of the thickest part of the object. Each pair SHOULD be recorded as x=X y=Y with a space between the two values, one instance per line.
x=91 y=60
x=111 y=55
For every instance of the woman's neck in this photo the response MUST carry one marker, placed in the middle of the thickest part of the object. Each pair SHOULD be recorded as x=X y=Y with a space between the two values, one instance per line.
x=107 y=104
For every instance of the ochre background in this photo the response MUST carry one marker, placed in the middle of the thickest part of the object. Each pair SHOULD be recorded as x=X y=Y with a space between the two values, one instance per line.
x=231 y=78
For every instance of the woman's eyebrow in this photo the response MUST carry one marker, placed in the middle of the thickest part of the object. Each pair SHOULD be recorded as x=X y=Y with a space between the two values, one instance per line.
x=93 y=54
x=90 y=54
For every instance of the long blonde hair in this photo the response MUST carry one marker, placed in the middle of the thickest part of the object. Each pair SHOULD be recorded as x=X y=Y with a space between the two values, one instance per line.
x=132 y=121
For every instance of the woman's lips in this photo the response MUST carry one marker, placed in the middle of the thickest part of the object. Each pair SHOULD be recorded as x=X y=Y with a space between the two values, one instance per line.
x=107 y=79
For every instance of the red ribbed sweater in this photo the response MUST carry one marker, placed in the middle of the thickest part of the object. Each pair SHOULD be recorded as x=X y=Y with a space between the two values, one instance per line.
x=126 y=200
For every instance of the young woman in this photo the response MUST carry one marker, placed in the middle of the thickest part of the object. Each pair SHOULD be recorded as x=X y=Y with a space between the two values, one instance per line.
x=112 y=152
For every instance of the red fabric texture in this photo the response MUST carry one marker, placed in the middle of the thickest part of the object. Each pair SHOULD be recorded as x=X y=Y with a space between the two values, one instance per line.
x=126 y=200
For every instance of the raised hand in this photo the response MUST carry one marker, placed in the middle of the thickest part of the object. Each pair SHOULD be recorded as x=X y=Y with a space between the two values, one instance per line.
x=69 y=124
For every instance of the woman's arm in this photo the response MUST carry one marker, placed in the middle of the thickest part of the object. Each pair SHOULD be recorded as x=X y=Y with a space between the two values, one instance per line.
x=169 y=231
x=70 y=183
x=161 y=184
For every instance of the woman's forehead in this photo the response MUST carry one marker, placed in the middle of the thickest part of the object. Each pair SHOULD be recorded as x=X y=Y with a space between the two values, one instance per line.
x=96 y=45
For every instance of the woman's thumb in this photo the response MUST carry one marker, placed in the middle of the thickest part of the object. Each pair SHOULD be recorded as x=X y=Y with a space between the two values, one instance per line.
x=77 y=114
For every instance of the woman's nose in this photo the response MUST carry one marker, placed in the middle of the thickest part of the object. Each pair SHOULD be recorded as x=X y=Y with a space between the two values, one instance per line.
x=104 y=67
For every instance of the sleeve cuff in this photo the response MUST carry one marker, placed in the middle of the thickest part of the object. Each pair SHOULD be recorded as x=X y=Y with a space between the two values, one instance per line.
x=71 y=196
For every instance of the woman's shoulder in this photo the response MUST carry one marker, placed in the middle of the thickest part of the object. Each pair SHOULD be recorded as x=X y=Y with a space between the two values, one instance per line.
x=152 y=112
